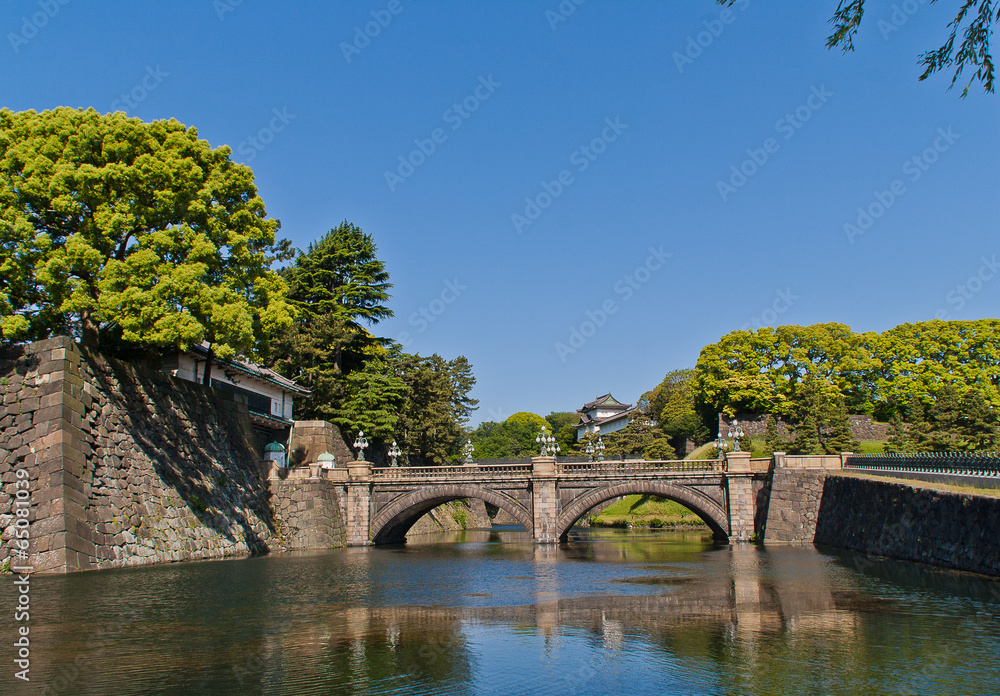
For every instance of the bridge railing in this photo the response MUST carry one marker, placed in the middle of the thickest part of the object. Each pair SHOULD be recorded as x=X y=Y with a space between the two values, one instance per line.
x=450 y=472
x=639 y=465
x=761 y=465
x=956 y=463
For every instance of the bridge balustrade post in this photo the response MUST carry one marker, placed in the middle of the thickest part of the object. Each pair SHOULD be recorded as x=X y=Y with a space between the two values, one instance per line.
x=741 y=500
x=544 y=499
x=359 y=494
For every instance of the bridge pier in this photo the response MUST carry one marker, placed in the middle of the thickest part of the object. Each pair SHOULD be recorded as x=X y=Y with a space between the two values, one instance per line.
x=742 y=508
x=358 y=514
x=544 y=500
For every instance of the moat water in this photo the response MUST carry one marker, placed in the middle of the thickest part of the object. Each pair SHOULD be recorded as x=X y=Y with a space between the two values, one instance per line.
x=488 y=612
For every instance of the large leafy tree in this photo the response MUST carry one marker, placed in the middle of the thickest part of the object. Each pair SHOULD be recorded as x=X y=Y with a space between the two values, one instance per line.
x=760 y=371
x=118 y=230
x=672 y=404
x=973 y=18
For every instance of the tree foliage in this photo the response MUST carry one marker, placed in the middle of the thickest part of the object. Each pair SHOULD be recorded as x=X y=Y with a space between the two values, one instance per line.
x=436 y=408
x=337 y=285
x=820 y=419
x=640 y=437
x=974 y=19
x=515 y=437
x=111 y=227
x=562 y=424
x=759 y=371
x=672 y=403
x=957 y=421
x=341 y=275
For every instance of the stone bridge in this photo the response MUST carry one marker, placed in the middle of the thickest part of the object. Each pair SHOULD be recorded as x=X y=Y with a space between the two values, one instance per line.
x=379 y=505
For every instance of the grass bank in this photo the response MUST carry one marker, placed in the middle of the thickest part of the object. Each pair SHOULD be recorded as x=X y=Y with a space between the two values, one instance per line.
x=646 y=511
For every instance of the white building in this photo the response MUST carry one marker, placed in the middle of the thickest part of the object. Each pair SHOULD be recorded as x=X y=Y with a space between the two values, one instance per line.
x=268 y=396
x=605 y=413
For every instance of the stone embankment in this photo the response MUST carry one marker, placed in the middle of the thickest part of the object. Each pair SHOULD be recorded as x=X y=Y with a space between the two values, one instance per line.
x=126 y=465
x=884 y=518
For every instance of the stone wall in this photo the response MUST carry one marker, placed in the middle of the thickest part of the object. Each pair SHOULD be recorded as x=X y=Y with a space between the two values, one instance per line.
x=309 y=513
x=755 y=424
x=883 y=518
x=312 y=438
x=793 y=505
x=126 y=465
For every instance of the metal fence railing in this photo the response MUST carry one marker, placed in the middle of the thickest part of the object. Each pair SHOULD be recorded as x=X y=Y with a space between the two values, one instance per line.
x=956 y=463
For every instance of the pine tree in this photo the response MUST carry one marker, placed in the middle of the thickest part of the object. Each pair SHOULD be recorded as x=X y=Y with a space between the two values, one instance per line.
x=773 y=441
x=899 y=439
x=977 y=423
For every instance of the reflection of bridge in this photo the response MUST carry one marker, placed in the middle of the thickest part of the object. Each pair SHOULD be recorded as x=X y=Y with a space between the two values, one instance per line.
x=548 y=497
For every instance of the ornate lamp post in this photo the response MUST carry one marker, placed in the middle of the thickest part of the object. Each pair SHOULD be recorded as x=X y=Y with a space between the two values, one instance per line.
x=361 y=443
x=721 y=444
x=736 y=432
x=599 y=446
x=547 y=442
x=590 y=451
x=467 y=451
x=394 y=452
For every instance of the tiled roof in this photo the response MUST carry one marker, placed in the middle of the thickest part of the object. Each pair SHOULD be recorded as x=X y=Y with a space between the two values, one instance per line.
x=263 y=374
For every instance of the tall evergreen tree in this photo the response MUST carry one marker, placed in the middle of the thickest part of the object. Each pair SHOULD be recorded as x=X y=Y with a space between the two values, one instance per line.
x=338 y=286
x=436 y=408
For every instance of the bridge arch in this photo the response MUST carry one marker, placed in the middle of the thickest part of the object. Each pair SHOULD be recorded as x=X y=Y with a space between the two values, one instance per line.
x=707 y=509
x=393 y=522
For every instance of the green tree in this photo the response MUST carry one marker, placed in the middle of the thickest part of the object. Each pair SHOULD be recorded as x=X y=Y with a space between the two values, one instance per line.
x=338 y=286
x=820 y=420
x=974 y=18
x=341 y=275
x=375 y=396
x=492 y=439
x=900 y=438
x=436 y=408
x=978 y=423
x=111 y=228
x=638 y=437
x=673 y=405
x=773 y=442
x=562 y=424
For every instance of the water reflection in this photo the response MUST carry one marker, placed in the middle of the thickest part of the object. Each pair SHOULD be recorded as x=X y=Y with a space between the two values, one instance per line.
x=490 y=612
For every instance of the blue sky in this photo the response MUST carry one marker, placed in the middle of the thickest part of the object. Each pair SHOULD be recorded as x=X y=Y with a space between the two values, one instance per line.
x=576 y=201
